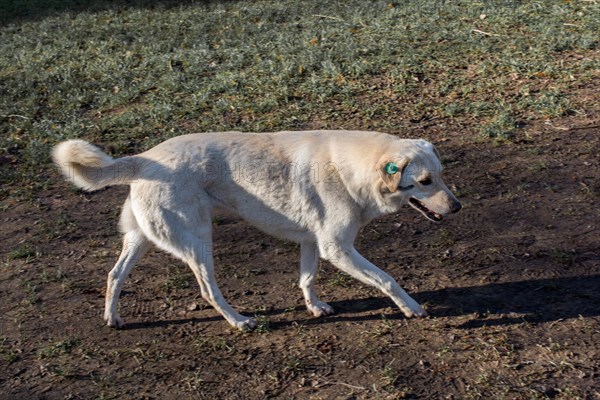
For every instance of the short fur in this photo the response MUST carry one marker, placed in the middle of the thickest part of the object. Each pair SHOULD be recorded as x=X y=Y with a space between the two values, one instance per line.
x=316 y=188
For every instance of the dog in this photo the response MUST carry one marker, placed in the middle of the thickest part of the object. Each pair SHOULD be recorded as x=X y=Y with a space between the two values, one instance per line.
x=315 y=188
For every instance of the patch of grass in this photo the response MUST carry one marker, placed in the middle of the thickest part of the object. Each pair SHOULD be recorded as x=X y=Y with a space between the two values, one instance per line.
x=8 y=353
x=194 y=381
x=24 y=251
x=32 y=297
x=515 y=192
x=216 y=344
x=537 y=166
x=382 y=328
x=59 y=347
x=549 y=103
x=501 y=127
x=178 y=278
x=389 y=377
x=341 y=279
x=264 y=325
x=58 y=227
x=53 y=275
x=294 y=365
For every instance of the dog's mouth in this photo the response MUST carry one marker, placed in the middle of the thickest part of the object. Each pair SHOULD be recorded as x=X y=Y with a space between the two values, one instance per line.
x=431 y=215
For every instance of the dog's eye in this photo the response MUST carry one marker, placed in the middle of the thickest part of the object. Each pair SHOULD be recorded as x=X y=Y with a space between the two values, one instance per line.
x=425 y=182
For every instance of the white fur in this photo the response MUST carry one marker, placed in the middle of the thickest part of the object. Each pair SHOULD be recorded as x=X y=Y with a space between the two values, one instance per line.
x=89 y=168
x=317 y=188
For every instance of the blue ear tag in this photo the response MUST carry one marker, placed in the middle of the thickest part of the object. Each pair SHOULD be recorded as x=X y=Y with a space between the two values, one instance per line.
x=391 y=168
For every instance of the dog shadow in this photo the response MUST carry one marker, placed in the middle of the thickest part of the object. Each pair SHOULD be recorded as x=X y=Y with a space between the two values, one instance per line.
x=132 y=326
x=531 y=301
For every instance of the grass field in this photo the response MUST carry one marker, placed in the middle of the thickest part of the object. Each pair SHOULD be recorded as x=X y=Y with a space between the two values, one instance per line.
x=132 y=73
x=507 y=89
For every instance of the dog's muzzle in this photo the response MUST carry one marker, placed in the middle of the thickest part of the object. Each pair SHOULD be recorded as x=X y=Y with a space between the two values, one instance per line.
x=431 y=215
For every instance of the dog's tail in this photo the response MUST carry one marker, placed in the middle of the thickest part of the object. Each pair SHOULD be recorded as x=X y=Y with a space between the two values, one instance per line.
x=90 y=168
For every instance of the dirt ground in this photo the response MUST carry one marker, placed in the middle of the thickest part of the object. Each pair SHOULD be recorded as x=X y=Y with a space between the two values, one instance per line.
x=511 y=283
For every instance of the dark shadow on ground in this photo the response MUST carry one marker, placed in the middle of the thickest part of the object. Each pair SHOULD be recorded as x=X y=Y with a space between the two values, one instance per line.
x=130 y=326
x=534 y=301
x=542 y=300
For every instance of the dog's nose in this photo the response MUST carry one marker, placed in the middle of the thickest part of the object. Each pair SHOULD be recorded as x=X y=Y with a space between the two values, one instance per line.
x=456 y=206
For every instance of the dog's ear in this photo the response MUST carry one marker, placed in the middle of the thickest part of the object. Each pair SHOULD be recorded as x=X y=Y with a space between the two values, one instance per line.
x=390 y=171
x=436 y=152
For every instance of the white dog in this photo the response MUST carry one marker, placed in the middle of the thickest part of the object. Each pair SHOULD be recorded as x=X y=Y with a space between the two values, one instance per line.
x=316 y=188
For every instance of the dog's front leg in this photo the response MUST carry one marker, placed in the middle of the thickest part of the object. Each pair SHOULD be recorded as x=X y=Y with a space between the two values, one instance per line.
x=348 y=260
x=309 y=262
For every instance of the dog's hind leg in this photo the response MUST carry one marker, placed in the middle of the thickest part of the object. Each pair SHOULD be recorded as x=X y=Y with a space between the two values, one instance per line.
x=309 y=261
x=198 y=256
x=185 y=232
x=191 y=241
x=200 y=260
x=135 y=245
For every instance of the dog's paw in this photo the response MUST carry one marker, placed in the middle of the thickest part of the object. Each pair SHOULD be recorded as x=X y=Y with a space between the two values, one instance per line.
x=420 y=313
x=415 y=312
x=320 y=309
x=246 y=325
x=114 y=321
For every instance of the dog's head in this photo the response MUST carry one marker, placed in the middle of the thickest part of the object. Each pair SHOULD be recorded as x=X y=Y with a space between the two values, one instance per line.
x=412 y=174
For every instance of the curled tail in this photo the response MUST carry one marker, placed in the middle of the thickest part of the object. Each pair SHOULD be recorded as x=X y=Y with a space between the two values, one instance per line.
x=90 y=168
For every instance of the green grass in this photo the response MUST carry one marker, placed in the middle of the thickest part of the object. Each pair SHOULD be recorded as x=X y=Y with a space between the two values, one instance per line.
x=54 y=349
x=8 y=352
x=177 y=278
x=263 y=324
x=128 y=74
x=341 y=279
x=24 y=251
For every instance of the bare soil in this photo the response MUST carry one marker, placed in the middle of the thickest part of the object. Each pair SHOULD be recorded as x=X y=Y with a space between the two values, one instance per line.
x=511 y=283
